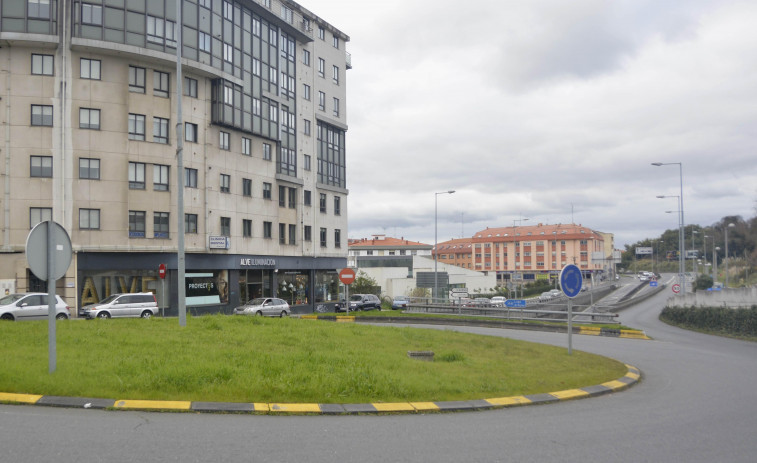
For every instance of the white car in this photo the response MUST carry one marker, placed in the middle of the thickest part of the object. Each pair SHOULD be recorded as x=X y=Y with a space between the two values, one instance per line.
x=498 y=301
x=142 y=305
x=31 y=306
x=268 y=306
x=545 y=296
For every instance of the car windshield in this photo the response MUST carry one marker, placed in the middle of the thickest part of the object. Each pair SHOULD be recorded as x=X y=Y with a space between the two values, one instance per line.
x=10 y=299
x=356 y=297
x=109 y=299
x=257 y=301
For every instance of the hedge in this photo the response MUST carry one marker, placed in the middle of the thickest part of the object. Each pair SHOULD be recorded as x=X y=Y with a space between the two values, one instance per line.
x=738 y=322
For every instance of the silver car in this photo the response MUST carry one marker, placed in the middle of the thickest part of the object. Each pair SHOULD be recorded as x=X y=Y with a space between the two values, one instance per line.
x=268 y=306
x=31 y=306
x=142 y=305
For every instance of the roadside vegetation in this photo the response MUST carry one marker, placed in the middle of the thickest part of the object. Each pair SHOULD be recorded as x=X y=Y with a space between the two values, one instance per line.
x=723 y=321
x=249 y=359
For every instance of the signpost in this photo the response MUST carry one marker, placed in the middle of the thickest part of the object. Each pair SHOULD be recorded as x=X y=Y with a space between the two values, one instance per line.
x=347 y=276
x=48 y=252
x=162 y=275
x=676 y=288
x=512 y=303
x=571 y=282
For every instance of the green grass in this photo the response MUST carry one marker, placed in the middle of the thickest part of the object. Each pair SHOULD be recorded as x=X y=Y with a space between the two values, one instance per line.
x=247 y=359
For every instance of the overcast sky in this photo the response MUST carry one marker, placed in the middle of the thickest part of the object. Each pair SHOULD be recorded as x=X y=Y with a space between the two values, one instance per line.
x=547 y=110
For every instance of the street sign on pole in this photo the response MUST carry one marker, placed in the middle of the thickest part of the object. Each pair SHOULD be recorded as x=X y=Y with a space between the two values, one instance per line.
x=515 y=303
x=347 y=275
x=676 y=288
x=571 y=282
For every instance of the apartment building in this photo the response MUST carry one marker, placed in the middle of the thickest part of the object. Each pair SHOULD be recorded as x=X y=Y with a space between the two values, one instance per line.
x=88 y=104
x=384 y=246
x=529 y=252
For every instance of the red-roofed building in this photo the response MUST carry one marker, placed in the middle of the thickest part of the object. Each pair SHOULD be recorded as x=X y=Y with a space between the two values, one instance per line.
x=382 y=245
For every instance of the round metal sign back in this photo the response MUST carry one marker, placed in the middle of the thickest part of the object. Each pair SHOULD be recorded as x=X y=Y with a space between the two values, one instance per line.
x=37 y=250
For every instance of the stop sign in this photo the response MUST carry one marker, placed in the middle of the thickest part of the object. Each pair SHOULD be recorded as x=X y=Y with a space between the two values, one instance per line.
x=347 y=275
x=162 y=271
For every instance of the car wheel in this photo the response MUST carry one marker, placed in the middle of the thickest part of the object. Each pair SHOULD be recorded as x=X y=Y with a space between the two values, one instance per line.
x=283 y=314
x=61 y=316
x=146 y=314
x=7 y=316
x=258 y=313
x=103 y=315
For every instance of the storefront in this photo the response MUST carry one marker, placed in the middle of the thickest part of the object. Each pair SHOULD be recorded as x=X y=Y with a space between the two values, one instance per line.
x=213 y=283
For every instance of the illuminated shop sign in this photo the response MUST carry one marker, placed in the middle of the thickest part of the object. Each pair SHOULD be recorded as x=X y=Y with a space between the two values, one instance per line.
x=252 y=262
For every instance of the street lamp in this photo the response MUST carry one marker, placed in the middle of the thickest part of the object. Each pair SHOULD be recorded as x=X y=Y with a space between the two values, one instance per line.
x=681 y=261
x=681 y=269
x=693 y=250
x=730 y=225
x=436 y=252
x=714 y=262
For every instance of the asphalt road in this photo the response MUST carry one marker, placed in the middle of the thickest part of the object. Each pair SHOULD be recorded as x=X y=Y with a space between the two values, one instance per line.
x=697 y=402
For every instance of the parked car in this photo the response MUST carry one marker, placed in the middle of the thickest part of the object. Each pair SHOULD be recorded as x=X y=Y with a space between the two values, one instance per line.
x=545 y=296
x=268 y=306
x=482 y=302
x=400 y=302
x=31 y=306
x=362 y=302
x=498 y=301
x=122 y=305
x=555 y=292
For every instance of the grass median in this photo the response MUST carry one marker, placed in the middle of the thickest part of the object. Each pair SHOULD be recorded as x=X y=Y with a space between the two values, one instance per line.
x=250 y=359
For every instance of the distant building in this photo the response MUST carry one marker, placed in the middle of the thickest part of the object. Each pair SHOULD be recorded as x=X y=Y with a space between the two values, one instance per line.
x=382 y=245
x=526 y=253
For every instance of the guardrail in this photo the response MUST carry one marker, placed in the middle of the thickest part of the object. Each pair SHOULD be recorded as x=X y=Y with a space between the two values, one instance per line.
x=508 y=313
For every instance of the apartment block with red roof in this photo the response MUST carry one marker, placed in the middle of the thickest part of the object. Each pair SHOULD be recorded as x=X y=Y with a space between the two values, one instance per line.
x=382 y=245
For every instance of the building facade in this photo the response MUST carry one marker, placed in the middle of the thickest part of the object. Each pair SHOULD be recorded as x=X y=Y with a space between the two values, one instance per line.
x=89 y=139
x=524 y=253
x=382 y=245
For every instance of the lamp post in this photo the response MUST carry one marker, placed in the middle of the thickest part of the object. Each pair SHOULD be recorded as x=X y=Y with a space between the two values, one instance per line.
x=715 y=264
x=681 y=261
x=436 y=253
x=730 y=225
x=681 y=269
x=695 y=255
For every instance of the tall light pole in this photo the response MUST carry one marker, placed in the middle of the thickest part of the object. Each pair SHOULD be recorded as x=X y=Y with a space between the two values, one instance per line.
x=681 y=269
x=681 y=261
x=693 y=249
x=730 y=225
x=436 y=253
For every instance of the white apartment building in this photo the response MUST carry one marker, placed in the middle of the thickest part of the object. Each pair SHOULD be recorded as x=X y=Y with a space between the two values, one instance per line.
x=89 y=139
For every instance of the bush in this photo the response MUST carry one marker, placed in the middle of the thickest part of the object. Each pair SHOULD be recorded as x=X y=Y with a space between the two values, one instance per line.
x=736 y=322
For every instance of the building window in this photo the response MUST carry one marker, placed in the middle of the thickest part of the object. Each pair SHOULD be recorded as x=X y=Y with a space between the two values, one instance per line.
x=308 y=233
x=225 y=183
x=307 y=198
x=336 y=107
x=335 y=74
x=225 y=226
x=267 y=190
x=282 y=196
x=160 y=177
x=337 y=205
x=89 y=68
x=306 y=91
x=89 y=169
x=41 y=166
x=321 y=33
x=136 y=176
x=246 y=187
x=308 y=162
x=322 y=203
x=89 y=118
x=42 y=65
x=306 y=127
x=190 y=132
x=322 y=101
x=321 y=67
x=228 y=53
x=39 y=9
x=282 y=233
x=323 y=237
x=39 y=214
x=292 y=200
x=160 y=130
x=89 y=219
x=155 y=29
x=190 y=223
x=246 y=146
x=160 y=226
x=337 y=238
x=160 y=83
x=136 y=127
x=136 y=224
x=223 y=140
x=228 y=10
x=205 y=3
x=190 y=177
x=267 y=230
x=42 y=115
x=266 y=151
x=336 y=42
x=190 y=87
x=292 y=234
x=306 y=57
x=203 y=42
x=91 y=14
x=246 y=228
x=136 y=79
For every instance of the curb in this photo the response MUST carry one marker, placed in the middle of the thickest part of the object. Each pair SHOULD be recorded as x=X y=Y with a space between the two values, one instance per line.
x=632 y=377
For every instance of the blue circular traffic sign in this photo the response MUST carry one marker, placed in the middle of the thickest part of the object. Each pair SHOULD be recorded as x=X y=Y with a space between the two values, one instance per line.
x=571 y=280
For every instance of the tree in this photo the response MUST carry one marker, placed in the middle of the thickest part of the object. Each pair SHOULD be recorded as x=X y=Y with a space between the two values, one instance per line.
x=364 y=284
x=703 y=282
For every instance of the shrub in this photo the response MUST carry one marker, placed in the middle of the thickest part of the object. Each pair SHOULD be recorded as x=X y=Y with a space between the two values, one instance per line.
x=737 y=322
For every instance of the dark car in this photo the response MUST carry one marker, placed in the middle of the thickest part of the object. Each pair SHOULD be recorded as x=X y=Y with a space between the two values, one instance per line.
x=360 y=302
